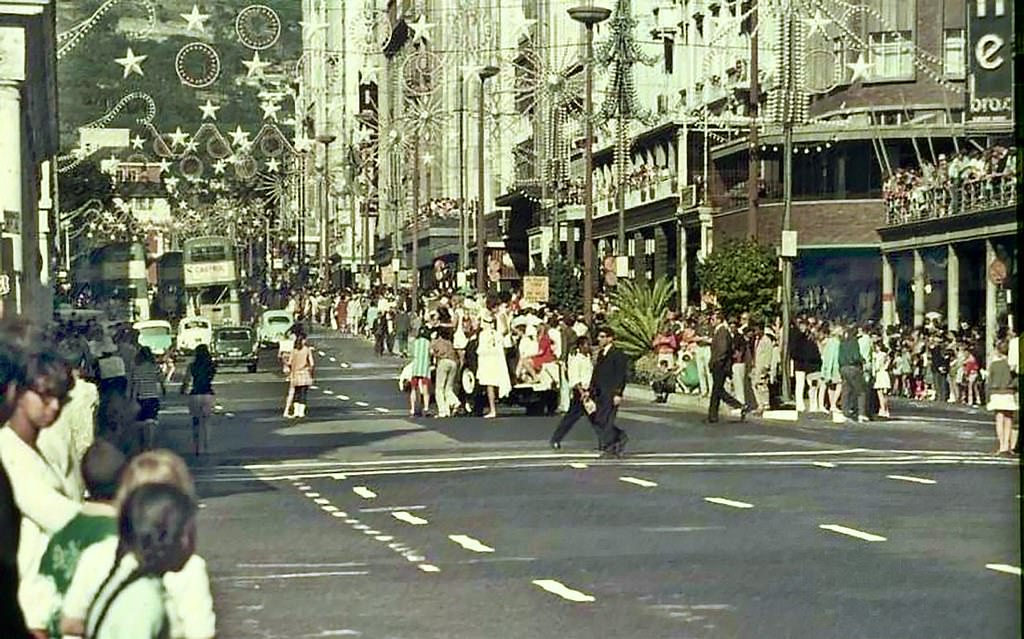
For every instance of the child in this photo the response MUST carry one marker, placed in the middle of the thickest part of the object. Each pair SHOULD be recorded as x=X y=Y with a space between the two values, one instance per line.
x=664 y=382
x=420 y=382
x=156 y=530
x=883 y=382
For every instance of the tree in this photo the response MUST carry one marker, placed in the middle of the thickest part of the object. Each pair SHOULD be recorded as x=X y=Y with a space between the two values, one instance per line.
x=744 y=277
x=565 y=289
x=640 y=310
x=83 y=183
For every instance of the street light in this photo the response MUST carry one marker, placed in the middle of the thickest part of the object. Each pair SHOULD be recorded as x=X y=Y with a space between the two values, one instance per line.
x=326 y=139
x=588 y=16
x=486 y=72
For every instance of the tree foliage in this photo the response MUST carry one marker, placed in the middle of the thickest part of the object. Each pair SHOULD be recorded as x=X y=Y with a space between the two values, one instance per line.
x=744 y=277
x=565 y=290
x=83 y=183
x=640 y=309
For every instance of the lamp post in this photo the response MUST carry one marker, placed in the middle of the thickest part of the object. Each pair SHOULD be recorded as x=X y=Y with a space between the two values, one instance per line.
x=588 y=16
x=486 y=72
x=325 y=198
x=414 y=270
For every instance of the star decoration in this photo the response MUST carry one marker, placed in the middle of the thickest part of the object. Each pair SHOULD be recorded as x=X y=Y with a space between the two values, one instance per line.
x=218 y=167
x=238 y=136
x=195 y=19
x=860 y=68
x=191 y=147
x=171 y=183
x=255 y=66
x=303 y=144
x=421 y=28
x=209 y=110
x=132 y=63
x=178 y=137
x=428 y=158
x=816 y=23
x=313 y=26
x=270 y=110
x=273 y=165
x=111 y=163
x=137 y=142
x=164 y=166
x=521 y=25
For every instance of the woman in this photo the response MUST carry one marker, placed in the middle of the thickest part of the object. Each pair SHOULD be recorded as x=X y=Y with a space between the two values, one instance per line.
x=198 y=383
x=1002 y=393
x=147 y=385
x=665 y=346
x=883 y=382
x=446 y=363
x=830 y=376
x=492 y=367
x=300 y=377
x=419 y=385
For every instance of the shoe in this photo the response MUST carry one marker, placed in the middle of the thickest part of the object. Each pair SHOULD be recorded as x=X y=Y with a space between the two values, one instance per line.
x=555 y=445
x=619 y=445
x=490 y=415
x=744 y=412
x=863 y=419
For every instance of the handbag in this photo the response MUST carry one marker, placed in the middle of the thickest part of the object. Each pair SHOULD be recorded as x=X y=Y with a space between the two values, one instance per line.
x=590 y=406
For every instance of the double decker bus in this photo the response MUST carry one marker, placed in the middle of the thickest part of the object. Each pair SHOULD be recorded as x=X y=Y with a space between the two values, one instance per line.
x=116 y=274
x=169 y=302
x=211 y=279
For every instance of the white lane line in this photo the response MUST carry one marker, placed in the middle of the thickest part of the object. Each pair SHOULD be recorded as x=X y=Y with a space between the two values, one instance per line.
x=295 y=575
x=315 y=387
x=364 y=492
x=384 y=538
x=334 y=359
x=409 y=518
x=329 y=508
x=341 y=514
x=639 y=482
x=328 y=391
x=577 y=465
x=722 y=501
x=563 y=591
x=381 y=410
x=229 y=415
x=322 y=501
x=362 y=404
x=311 y=495
x=910 y=478
x=345 y=364
x=1007 y=568
x=218 y=407
x=469 y=543
x=852 y=532
x=387 y=509
x=429 y=568
x=824 y=464
x=321 y=354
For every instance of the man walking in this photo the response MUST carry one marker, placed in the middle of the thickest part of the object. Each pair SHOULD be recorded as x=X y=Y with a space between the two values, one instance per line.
x=721 y=365
x=851 y=368
x=606 y=388
x=579 y=371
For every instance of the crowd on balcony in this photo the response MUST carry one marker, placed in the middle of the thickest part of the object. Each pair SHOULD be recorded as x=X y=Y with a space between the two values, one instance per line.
x=640 y=177
x=961 y=183
x=442 y=208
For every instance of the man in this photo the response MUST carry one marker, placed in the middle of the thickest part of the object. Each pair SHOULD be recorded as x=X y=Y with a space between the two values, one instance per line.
x=704 y=327
x=851 y=369
x=12 y=623
x=579 y=372
x=721 y=365
x=606 y=388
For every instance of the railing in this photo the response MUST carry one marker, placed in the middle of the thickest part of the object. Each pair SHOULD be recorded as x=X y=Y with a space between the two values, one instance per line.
x=948 y=200
x=646 y=189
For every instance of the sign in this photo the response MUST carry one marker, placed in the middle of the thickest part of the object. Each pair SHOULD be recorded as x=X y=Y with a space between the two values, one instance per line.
x=788 y=246
x=997 y=272
x=12 y=222
x=5 y=284
x=990 y=60
x=209 y=273
x=535 y=289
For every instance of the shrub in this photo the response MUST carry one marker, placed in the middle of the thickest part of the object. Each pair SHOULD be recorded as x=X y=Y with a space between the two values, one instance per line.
x=639 y=312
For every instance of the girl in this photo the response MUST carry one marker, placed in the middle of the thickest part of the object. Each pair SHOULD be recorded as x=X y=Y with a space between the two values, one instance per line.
x=419 y=385
x=830 y=377
x=156 y=535
x=300 y=377
x=147 y=386
x=198 y=383
x=1002 y=392
x=971 y=369
x=492 y=367
x=883 y=382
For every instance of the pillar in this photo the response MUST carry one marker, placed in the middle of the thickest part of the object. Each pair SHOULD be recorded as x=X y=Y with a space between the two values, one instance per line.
x=918 y=288
x=684 y=275
x=888 y=292
x=660 y=267
x=639 y=255
x=12 y=75
x=991 y=291
x=952 y=287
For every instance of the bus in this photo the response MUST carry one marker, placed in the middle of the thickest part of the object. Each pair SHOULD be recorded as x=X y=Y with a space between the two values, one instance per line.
x=211 y=279
x=116 y=276
x=169 y=302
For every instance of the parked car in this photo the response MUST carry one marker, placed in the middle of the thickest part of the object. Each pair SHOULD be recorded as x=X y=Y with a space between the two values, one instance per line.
x=193 y=331
x=273 y=326
x=156 y=334
x=235 y=346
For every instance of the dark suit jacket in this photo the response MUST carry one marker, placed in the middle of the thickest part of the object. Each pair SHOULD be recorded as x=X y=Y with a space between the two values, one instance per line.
x=721 y=347
x=609 y=378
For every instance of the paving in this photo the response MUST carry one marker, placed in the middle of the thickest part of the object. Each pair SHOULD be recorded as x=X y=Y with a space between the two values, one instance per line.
x=361 y=521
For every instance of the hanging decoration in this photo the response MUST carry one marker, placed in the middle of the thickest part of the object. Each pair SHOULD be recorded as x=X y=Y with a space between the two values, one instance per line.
x=131 y=63
x=197 y=65
x=68 y=40
x=258 y=27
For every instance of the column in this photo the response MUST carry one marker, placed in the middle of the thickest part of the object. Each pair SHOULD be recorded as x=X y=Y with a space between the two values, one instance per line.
x=639 y=255
x=12 y=75
x=991 y=290
x=682 y=255
x=888 y=292
x=660 y=268
x=952 y=287
x=918 y=288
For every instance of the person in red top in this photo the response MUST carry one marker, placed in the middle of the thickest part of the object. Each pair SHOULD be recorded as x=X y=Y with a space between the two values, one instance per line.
x=971 y=368
x=545 y=354
x=665 y=346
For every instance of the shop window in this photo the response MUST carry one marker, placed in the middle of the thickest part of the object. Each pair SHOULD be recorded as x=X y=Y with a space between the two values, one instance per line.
x=892 y=53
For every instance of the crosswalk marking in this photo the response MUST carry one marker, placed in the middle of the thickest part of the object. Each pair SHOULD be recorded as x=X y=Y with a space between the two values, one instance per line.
x=915 y=480
x=639 y=482
x=722 y=501
x=563 y=591
x=364 y=492
x=469 y=543
x=409 y=518
x=852 y=532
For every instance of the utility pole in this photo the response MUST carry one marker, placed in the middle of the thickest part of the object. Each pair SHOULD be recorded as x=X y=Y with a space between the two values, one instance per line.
x=754 y=168
x=787 y=192
x=463 y=221
x=414 y=271
x=486 y=72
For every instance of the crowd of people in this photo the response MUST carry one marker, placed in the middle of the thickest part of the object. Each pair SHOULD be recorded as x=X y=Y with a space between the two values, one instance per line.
x=950 y=185
x=97 y=536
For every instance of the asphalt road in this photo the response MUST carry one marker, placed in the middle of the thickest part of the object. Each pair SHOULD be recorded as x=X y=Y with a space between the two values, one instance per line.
x=362 y=522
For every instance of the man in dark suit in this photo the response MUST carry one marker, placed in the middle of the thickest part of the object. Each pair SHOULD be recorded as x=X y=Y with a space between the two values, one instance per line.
x=606 y=387
x=721 y=366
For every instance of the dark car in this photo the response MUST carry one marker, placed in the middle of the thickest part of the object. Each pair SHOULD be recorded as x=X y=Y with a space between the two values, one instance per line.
x=235 y=346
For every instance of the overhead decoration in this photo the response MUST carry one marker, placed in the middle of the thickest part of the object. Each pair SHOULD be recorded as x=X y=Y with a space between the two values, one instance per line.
x=420 y=72
x=196 y=21
x=68 y=40
x=421 y=29
x=131 y=62
x=258 y=27
x=255 y=66
x=197 y=65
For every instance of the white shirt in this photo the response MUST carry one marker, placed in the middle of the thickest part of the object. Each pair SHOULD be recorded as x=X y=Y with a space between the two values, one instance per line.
x=45 y=501
x=135 y=614
x=188 y=600
x=64 y=443
x=580 y=369
x=580 y=329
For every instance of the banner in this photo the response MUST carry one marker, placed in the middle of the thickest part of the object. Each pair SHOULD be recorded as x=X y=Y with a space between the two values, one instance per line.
x=990 y=60
x=209 y=273
x=535 y=289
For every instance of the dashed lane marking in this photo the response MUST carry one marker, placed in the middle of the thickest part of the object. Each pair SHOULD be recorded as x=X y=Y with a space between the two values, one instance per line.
x=345 y=365
x=362 y=404
x=388 y=509
x=229 y=415
x=343 y=398
x=340 y=514
x=298 y=575
x=639 y=482
x=824 y=464
x=563 y=591
x=328 y=391
x=578 y=465
x=311 y=494
x=1007 y=568
x=329 y=508
x=409 y=518
x=321 y=500
x=381 y=410
x=852 y=532
x=321 y=354
x=915 y=480
x=364 y=492
x=429 y=568
x=334 y=359
x=732 y=503
x=469 y=543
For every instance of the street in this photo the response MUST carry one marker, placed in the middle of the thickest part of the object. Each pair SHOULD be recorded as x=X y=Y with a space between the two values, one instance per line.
x=359 y=521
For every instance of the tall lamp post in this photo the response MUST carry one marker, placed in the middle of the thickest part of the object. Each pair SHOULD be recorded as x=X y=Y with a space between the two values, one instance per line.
x=588 y=16
x=486 y=72
x=325 y=198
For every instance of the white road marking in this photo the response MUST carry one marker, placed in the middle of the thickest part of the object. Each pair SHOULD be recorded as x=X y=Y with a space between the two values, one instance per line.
x=824 y=464
x=429 y=568
x=577 y=465
x=361 y=527
x=409 y=518
x=321 y=354
x=722 y=501
x=371 y=532
x=916 y=480
x=328 y=391
x=315 y=387
x=218 y=407
x=563 y=591
x=852 y=532
x=384 y=538
x=321 y=501
x=381 y=410
x=229 y=415
x=362 y=404
x=340 y=514
x=351 y=521
x=297 y=575
x=639 y=482
x=1007 y=568
x=343 y=398
x=311 y=495
x=329 y=509
x=345 y=364
x=364 y=492
x=334 y=359
x=387 y=509
x=347 y=564
x=469 y=543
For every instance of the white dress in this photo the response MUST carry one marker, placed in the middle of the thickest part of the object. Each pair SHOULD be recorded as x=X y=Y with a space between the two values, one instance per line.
x=492 y=368
x=880 y=366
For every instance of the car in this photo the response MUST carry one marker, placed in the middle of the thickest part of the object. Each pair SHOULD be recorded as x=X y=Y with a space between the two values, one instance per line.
x=273 y=326
x=193 y=331
x=235 y=346
x=156 y=334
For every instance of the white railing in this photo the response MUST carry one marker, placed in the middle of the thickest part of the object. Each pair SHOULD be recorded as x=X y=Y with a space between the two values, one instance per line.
x=947 y=200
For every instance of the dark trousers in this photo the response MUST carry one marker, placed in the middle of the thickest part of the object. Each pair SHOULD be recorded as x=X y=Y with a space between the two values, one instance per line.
x=718 y=394
x=573 y=415
x=854 y=399
x=603 y=421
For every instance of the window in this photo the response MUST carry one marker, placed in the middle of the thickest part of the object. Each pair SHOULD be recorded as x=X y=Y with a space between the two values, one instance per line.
x=892 y=54
x=670 y=46
x=953 y=58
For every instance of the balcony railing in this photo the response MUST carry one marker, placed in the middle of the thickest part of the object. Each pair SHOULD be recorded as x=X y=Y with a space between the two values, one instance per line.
x=947 y=200
x=648 y=188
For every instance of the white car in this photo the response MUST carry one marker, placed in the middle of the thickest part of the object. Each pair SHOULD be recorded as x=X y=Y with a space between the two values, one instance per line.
x=193 y=331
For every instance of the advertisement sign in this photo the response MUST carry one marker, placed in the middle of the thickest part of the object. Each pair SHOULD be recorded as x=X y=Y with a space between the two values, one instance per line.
x=535 y=289
x=209 y=273
x=990 y=60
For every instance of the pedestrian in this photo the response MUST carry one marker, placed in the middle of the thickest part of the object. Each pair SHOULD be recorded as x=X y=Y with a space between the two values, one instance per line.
x=301 y=367
x=883 y=381
x=446 y=366
x=743 y=361
x=664 y=381
x=147 y=386
x=721 y=366
x=12 y=622
x=851 y=368
x=665 y=345
x=198 y=384
x=806 y=366
x=702 y=357
x=579 y=370
x=402 y=328
x=492 y=367
x=1002 y=393
x=831 y=377
x=606 y=389
x=766 y=354
x=419 y=383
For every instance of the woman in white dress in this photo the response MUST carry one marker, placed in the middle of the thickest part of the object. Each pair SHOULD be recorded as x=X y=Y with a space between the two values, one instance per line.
x=883 y=382
x=492 y=368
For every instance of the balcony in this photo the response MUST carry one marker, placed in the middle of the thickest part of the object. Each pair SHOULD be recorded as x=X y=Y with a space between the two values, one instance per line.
x=642 y=188
x=922 y=204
